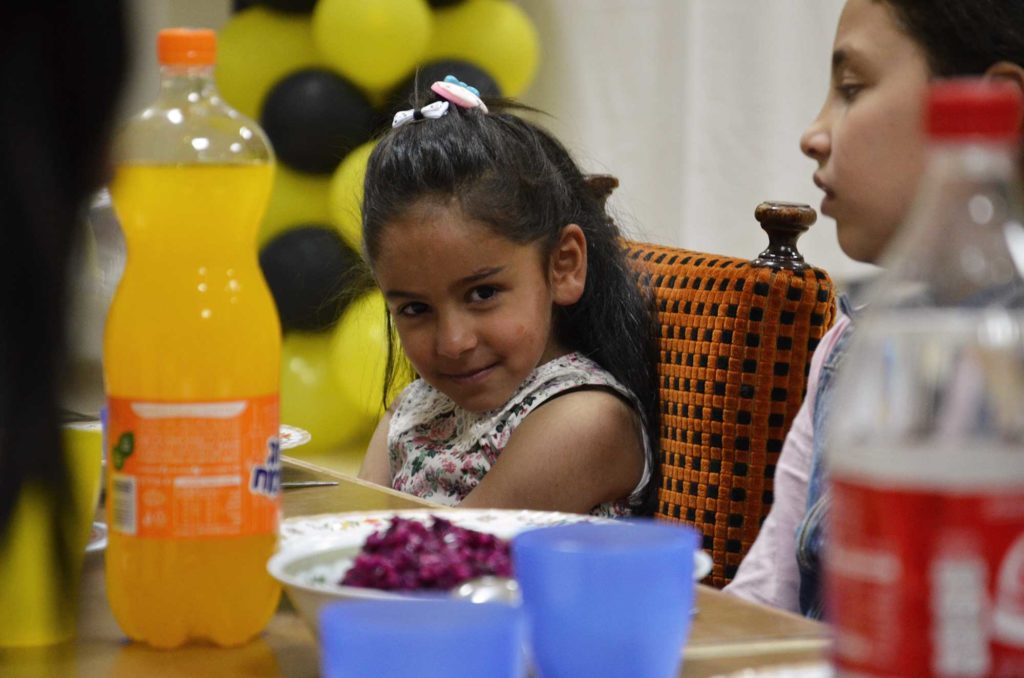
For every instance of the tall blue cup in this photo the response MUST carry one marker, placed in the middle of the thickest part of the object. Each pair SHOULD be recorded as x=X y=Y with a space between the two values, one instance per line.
x=421 y=639
x=607 y=599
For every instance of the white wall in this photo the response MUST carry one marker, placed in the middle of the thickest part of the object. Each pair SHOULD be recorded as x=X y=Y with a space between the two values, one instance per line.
x=145 y=19
x=696 y=105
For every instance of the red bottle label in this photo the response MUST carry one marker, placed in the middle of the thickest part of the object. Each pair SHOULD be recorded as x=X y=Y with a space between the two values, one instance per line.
x=194 y=469
x=926 y=582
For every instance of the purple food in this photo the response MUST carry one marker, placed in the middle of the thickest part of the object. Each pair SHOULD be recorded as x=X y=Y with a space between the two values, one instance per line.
x=409 y=555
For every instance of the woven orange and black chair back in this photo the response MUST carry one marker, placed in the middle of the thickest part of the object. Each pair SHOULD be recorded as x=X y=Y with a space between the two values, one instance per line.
x=735 y=347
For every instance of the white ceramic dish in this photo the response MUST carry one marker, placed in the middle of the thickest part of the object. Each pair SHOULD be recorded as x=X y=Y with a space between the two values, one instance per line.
x=97 y=538
x=293 y=436
x=315 y=551
x=702 y=565
x=818 y=670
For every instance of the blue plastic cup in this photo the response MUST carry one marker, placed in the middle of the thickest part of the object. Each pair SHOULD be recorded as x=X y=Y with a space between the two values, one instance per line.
x=607 y=599
x=421 y=639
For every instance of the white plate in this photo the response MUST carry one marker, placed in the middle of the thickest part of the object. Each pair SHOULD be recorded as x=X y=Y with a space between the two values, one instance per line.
x=702 y=565
x=315 y=551
x=97 y=538
x=817 y=670
x=358 y=525
x=293 y=436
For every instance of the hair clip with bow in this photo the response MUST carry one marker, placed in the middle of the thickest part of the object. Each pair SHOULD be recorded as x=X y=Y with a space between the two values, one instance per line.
x=452 y=90
x=432 y=111
x=459 y=93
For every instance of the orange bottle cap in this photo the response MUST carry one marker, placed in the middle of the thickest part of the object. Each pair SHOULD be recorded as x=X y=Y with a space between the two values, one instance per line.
x=186 y=47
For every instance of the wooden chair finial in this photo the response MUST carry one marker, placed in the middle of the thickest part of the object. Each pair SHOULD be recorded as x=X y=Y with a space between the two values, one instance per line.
x=784 y=222
x=601 y=185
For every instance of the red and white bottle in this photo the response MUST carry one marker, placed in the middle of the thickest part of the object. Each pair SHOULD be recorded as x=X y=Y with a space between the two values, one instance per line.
x=924 y=566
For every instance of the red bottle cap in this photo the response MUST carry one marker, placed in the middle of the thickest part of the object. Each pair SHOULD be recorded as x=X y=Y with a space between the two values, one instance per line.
x=985 y=108
x=186 y=47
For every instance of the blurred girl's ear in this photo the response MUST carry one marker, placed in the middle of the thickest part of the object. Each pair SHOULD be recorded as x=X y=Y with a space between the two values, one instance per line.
x=1007 y=70
x=567 y=267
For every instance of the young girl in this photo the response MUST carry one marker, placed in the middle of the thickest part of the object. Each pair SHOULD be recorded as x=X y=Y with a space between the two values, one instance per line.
x=511 y=295
x=869 y=144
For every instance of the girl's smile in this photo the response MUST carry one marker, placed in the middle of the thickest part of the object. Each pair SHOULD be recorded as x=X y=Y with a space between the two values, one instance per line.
x=473 y=309
x=472 y=376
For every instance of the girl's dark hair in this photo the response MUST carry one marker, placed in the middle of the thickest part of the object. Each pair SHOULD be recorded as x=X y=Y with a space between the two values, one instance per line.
x=61 y=71
x=515 y=177
x=964 y=37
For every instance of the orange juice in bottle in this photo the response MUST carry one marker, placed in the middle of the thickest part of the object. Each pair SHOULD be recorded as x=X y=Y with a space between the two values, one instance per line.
x=191 y=365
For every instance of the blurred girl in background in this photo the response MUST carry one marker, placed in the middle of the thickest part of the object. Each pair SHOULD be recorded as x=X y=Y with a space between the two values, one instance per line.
x=869 y=143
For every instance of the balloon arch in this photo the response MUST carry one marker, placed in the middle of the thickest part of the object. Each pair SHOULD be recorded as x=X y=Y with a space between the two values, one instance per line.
x=323 y=77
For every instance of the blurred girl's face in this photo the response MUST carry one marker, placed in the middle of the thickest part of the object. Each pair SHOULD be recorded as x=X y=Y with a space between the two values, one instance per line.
x=868 y=138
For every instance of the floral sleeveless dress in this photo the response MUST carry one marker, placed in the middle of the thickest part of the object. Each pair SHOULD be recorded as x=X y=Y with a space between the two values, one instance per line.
x=440 y=451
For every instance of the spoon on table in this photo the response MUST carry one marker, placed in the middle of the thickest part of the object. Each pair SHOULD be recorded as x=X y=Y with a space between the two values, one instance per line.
x=298 y=484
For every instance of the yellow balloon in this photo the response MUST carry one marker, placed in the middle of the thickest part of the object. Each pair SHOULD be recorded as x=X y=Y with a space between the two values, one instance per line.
x=312 y=399
x=359 y=352
x=496 y=35
x=256 y=48
x=373 y=43
x=297 y=198
x=345 y=195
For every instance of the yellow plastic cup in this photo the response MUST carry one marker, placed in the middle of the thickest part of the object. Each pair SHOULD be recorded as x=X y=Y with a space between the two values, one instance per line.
x=38 y=608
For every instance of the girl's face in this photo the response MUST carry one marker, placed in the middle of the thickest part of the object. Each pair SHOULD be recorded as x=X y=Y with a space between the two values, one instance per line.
x=868 y=138
x=472 y=309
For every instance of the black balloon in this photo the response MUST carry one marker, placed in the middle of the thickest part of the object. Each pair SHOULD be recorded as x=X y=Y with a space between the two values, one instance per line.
x=406 y=93
x=313 y=275
x=314 y=117
x=290 y=6
x=239 y=5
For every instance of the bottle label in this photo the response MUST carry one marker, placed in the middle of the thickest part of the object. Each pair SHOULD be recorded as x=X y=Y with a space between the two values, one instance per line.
x=925 y=581
x=194 y=469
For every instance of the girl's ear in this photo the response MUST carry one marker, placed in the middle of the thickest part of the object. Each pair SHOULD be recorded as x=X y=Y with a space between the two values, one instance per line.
x=567 y=267
x=1007 y=70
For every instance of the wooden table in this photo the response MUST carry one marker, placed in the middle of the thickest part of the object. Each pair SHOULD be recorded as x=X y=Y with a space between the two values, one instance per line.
x=728 y=634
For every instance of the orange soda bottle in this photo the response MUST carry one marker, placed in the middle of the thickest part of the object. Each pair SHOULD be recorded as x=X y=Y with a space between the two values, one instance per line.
x=191 y=365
